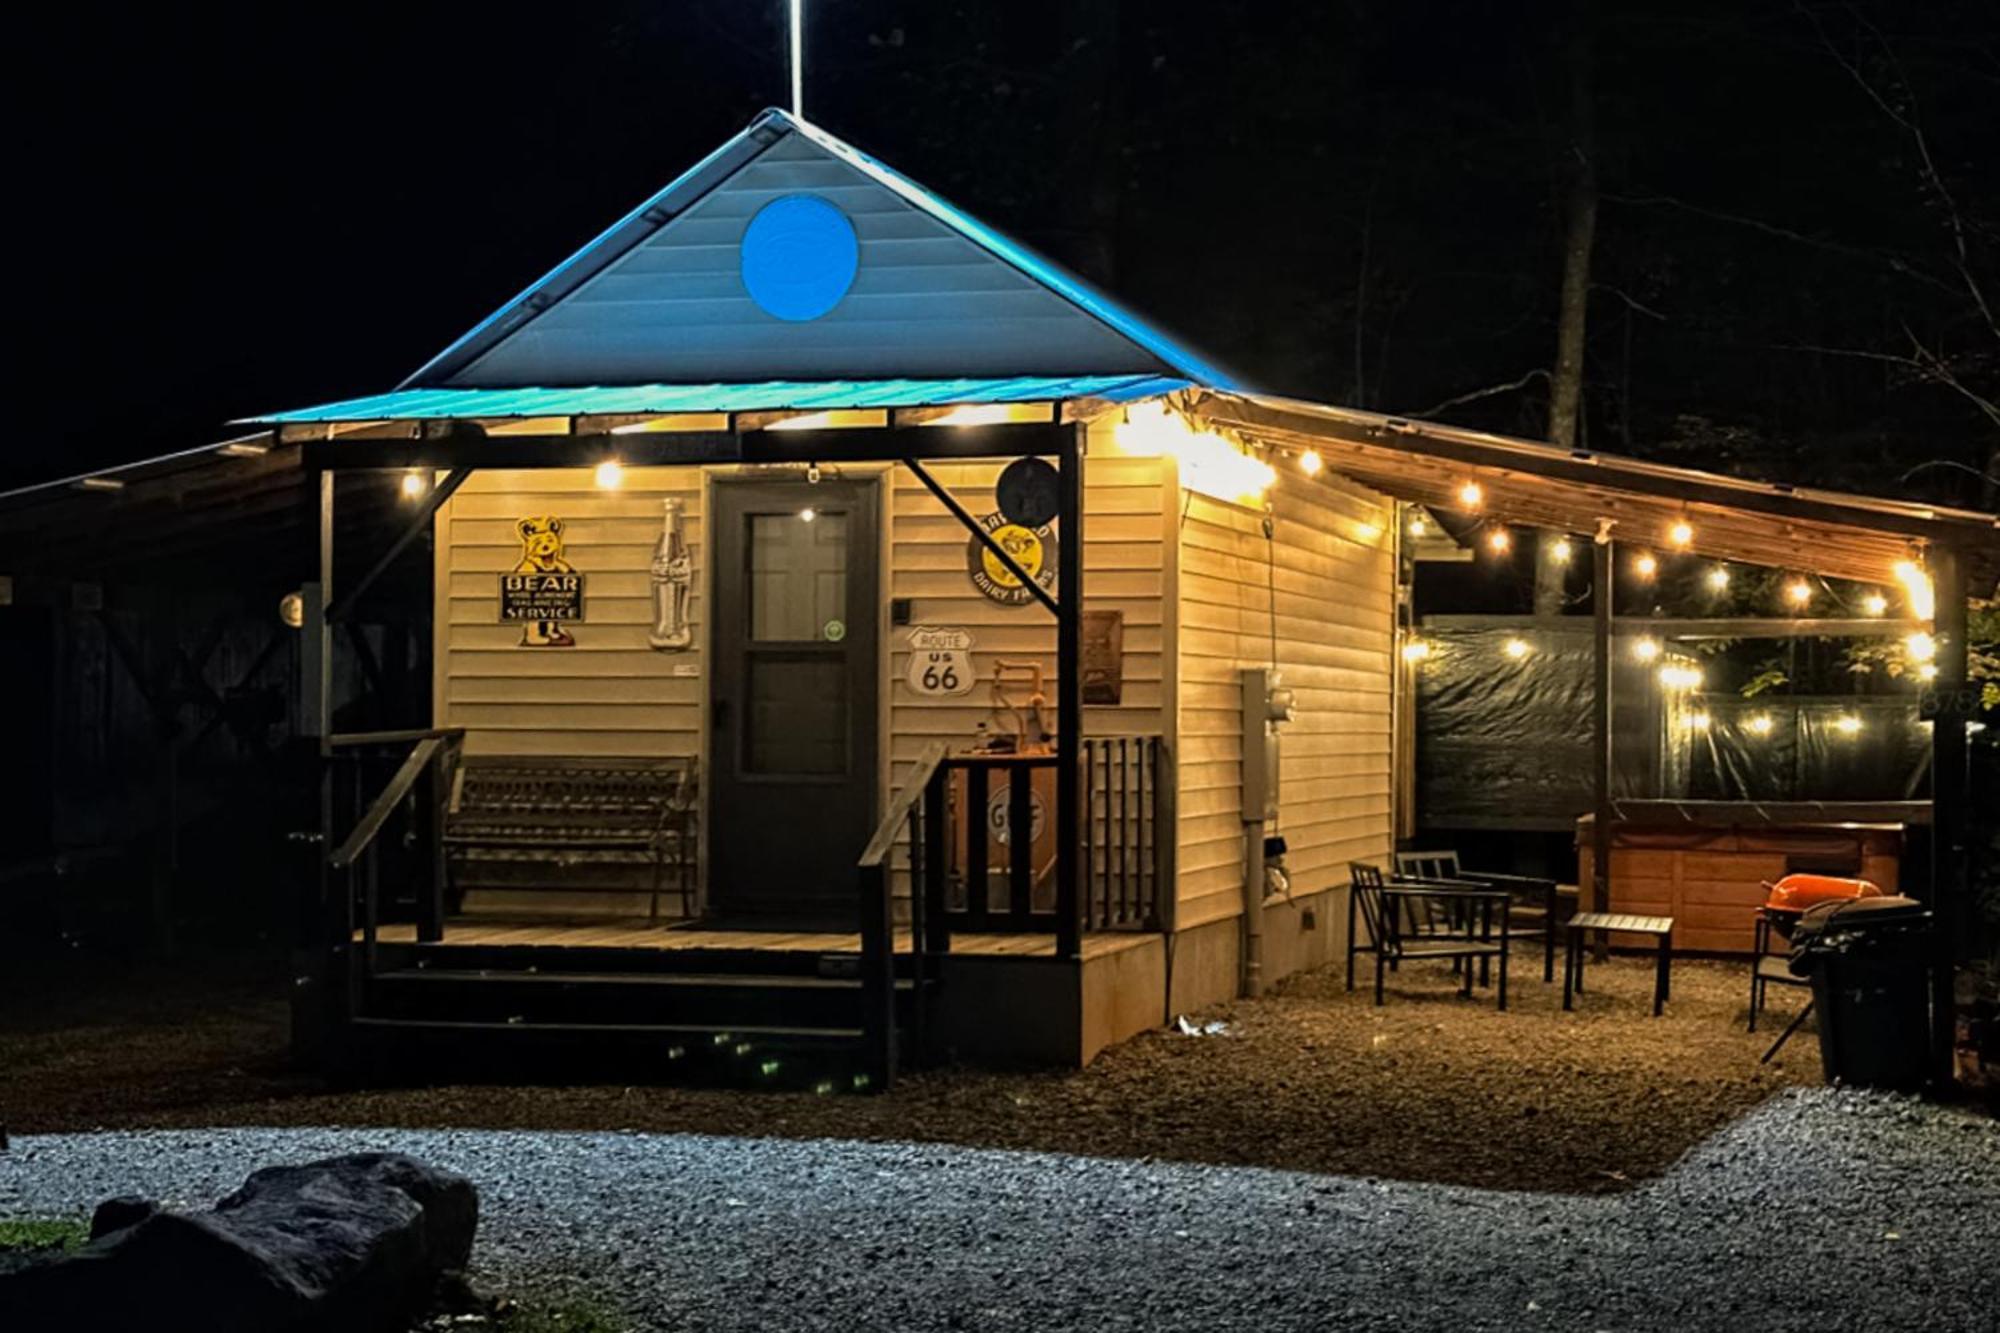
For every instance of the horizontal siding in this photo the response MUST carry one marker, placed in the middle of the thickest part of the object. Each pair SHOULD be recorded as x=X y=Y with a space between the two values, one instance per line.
x=610 y=695
x=1318 y=597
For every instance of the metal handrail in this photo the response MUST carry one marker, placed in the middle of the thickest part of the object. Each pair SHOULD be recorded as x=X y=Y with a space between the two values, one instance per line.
x=884 y=840
x=404 y=737
x=378 y=812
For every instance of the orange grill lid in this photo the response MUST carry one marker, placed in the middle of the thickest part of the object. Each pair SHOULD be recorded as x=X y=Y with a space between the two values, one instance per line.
x=1795 y=893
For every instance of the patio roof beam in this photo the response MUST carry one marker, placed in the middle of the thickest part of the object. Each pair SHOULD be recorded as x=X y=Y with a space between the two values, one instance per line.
x=467 y=446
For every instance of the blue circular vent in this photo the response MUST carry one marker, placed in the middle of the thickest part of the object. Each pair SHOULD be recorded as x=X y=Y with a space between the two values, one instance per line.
x=799 y=256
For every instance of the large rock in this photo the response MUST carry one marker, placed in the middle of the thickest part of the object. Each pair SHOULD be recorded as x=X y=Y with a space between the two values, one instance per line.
x=351 y=1243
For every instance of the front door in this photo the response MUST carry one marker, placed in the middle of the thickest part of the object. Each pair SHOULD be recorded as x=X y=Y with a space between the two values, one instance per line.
x=793 y=684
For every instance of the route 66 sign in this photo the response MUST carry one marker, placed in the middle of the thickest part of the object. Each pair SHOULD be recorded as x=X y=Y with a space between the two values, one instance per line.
x=940 y=660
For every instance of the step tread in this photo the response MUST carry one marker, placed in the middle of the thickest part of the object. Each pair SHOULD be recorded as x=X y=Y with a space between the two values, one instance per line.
x=737 y=980
x=661 y=1029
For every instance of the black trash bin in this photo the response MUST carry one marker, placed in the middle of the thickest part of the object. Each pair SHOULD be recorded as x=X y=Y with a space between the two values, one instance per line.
x=1869 y=960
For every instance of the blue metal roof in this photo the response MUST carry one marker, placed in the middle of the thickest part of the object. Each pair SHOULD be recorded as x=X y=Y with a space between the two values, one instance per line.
x=774 y=396
x=570 y=324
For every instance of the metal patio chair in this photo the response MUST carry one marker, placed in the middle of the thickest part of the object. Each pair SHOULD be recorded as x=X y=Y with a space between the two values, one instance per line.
x=1408 y=919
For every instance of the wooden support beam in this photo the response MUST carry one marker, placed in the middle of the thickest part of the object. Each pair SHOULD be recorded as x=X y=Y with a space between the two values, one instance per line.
x=982 y=536
x=1069 y=701
x=1951 y=781
x=1603 y=590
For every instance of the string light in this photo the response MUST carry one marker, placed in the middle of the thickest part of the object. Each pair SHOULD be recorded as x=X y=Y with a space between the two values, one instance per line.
x=413 y=484
x=1847 y=724
x=1646 y=649
x=1417 y=526
x=1310 y=462
x=1680 y=676
x=1874 y=604
x=1516 y=648
x=1920 y=646
x=1718 y=578
x=1470 y=495
x=808 y=514
x=1799 y=592
x=1917 y=584
x=1416 y=650
x=1698 y=721
x=610 y=474
x=1560 y=550
x=1645 y=566
x=1928 y=671
x=1759 y=725
x=1681 y=533
x=1499 y=541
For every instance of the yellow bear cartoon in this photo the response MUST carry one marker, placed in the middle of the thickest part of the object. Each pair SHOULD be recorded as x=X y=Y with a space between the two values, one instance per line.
x=542 y=553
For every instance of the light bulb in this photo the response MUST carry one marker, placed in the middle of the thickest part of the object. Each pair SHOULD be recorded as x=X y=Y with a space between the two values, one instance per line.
x=1920 y=646
x=1646 y=649
x=1417 y=528
x=1699 y=721
x=1760 y=725
x=1718 y=578
x=413 y=484
x=1310 y=462
x=1847 y=724
x=1560 y=550
x=1516 y=648
x=1470 y=495
x=1499 y=541
x=1928 y=671
x=610 y=474
x=1799 y=592
x=1681 y=533
x=1874 y=604
x=1645 y=566
x=1416 y=650
x=808 y=514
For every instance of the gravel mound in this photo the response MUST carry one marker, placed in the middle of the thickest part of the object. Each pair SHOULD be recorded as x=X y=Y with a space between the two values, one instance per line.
x=1821 y=1210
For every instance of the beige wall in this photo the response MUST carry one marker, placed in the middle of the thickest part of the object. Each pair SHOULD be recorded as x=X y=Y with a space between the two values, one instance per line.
x=610 y=694
x=1329 y=570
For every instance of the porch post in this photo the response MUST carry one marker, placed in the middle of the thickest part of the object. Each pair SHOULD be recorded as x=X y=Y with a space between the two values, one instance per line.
x=1602 y=588
x=1069 y=701
x=1950 y=783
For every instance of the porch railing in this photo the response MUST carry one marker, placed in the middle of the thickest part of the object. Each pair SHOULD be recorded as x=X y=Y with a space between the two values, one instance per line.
x=958 y=819
x=409 y=808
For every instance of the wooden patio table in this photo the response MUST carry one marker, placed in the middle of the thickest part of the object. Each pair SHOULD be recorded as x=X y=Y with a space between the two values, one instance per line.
x=1627 y=923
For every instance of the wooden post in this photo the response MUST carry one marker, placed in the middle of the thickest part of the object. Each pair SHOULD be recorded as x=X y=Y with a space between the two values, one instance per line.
x=878 y=978
x=1602 y=590
x=1069 y=702
x=1950 y=799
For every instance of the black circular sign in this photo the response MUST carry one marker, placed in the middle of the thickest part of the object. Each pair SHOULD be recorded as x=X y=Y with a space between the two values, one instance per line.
x=1029 y=492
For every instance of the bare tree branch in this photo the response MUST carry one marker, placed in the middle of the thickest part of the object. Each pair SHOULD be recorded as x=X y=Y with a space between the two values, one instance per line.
x=1629 y=301
x=1489 y=391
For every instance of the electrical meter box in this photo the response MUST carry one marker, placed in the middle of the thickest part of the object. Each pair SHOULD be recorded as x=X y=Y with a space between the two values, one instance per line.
x=1267 y=705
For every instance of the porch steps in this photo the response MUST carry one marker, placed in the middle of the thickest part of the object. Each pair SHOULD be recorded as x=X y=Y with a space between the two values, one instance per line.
x=738 y=1017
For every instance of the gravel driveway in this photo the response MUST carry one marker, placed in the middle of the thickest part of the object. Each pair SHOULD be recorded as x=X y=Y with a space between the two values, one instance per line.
x=1820 y=1210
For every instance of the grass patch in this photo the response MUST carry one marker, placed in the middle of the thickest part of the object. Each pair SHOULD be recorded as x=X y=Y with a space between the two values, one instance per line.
x=43 y=1233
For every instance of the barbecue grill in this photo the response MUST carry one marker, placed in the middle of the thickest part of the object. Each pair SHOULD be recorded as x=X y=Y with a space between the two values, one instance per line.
x=1784 y=903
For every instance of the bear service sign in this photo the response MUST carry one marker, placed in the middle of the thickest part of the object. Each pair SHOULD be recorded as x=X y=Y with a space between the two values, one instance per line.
x=542 y=593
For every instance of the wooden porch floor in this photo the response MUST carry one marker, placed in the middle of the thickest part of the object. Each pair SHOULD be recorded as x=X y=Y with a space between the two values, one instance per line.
x=641 y=935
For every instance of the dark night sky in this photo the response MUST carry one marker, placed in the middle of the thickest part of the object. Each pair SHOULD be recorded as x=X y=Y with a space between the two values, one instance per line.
x=238 y=207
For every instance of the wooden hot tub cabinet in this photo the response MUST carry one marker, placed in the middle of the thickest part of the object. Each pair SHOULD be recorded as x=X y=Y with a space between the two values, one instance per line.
x=1705 y=863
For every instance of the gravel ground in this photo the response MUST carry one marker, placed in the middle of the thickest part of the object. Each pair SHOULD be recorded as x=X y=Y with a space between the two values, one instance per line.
x=1819 y=1211
x=1427 y=1088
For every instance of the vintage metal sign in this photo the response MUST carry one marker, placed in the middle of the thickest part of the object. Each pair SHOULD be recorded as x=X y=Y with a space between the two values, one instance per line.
x=940 y=660
x=1033 y=549
x=673 y=582
x=543 y=594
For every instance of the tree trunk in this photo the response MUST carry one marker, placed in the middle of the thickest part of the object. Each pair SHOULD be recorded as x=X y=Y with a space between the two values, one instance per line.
x=1579 y=233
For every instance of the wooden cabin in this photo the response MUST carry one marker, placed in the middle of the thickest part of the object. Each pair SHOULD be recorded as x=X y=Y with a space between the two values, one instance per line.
x=800 y=543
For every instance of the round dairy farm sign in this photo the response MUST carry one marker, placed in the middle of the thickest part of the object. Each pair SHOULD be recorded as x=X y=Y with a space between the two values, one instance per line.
x=940 y=660
x=1033 y=549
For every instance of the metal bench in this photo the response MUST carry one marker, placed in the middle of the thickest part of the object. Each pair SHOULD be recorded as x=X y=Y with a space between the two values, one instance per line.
x=1625 y=922
x=608 y=825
